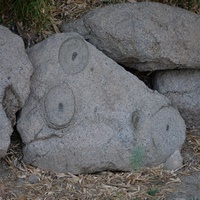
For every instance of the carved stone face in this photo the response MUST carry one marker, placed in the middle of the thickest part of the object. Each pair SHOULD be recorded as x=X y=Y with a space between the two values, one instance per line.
x=15 y=72
x=86 y=114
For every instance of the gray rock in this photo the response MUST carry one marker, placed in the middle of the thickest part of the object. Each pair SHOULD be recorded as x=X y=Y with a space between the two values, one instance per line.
x=146 y=36
x=182 y=88
x=33 y=179
x=178 y=199
x=87 y=114
x=16 y=70
x=174 y=162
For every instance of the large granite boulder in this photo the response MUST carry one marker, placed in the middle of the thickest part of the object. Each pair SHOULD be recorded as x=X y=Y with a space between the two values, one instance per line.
x=146 y=36
x=86 y=114
x=182 y=87
x=15 y=72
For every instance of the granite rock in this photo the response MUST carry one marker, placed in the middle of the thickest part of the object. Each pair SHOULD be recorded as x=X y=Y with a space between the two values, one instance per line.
x=16 y=71
x=182 y=88
x=146 y=36
x=174 y=162
x=85 y=113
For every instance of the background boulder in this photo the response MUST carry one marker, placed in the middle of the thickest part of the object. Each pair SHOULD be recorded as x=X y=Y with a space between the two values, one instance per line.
x=146 y=36
x=182 y=87
x=16 y=70
x=86 y=114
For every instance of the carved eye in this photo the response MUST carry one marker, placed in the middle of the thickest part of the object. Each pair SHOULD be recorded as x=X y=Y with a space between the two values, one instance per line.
x=59 y=106
x=73 y=55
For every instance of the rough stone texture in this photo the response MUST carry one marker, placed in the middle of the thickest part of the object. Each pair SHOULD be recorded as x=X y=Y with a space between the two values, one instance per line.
x=86 y=114
x=174 y=161
x=16 y=70
x=182 y=87
x=146 y=36
x=178 y=199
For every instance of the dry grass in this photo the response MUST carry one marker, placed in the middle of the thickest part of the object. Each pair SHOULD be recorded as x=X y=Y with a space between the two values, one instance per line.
x=146 y=183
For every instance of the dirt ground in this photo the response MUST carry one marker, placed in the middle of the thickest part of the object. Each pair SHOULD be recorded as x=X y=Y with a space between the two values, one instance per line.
x=189 y=186
x=23 y=182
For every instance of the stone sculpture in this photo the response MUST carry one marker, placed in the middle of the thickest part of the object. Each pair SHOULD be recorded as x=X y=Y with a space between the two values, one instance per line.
x=145 y=36
x=16 y=71
x=182 y=88
x=86 y=114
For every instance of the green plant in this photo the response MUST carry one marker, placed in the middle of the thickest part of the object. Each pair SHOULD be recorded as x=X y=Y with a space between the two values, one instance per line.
x=188 y=3
x=27 y=12
x=119 y=195
x=152 y=192
x=194 y=198
x=136 y=159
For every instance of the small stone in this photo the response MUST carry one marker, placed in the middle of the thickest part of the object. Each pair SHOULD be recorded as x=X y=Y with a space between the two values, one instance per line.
x=174 y=161
x=33 y=179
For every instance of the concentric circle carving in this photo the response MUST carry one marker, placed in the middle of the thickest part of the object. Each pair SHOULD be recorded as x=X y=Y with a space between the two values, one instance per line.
x=73 y=55
x=59 y=106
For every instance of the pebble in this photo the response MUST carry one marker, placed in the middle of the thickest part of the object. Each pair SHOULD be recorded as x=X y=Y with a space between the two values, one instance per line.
x=174 y=161
x=33 y=179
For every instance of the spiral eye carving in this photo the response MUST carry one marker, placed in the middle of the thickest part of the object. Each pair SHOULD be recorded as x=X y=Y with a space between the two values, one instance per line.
x=73 y=55
x=59 y=106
